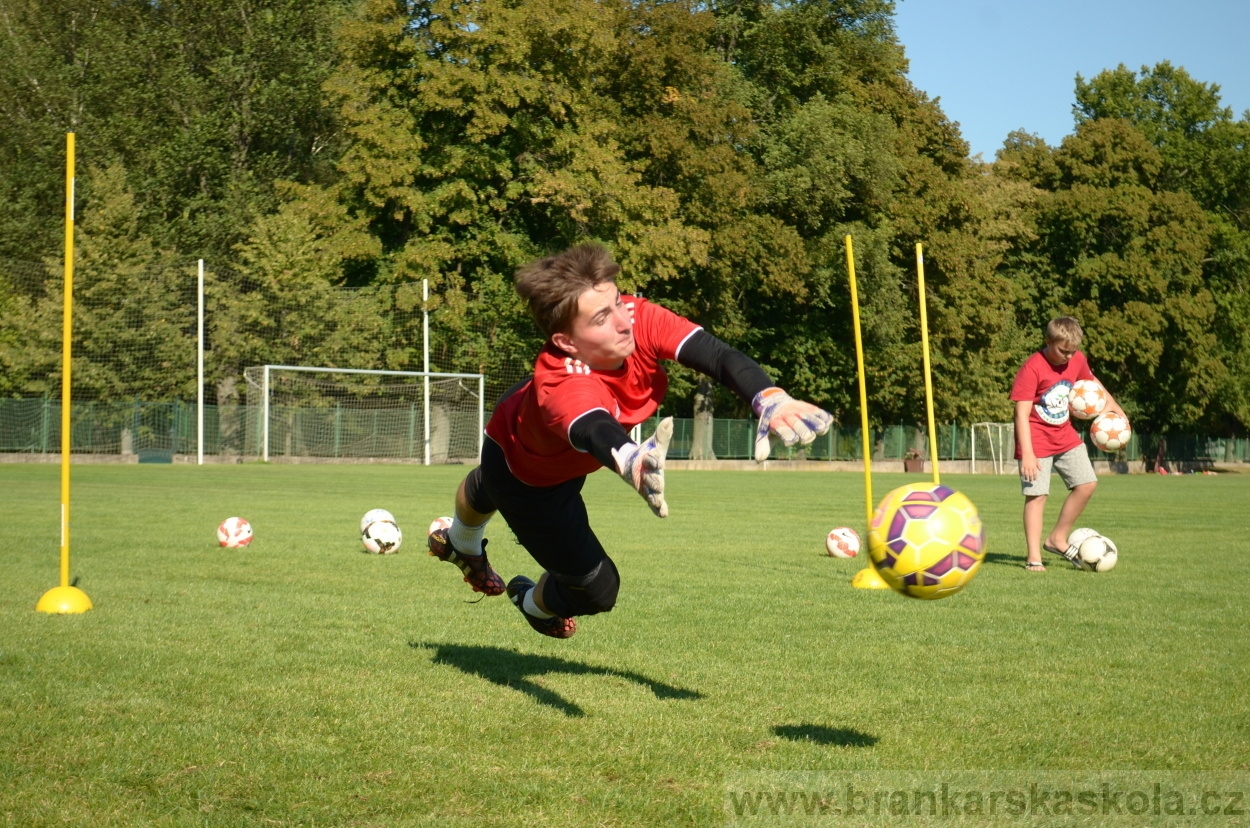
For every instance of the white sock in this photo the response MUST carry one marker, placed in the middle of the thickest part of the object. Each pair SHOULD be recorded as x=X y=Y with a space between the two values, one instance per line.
x=467 y=540
x=532 y=608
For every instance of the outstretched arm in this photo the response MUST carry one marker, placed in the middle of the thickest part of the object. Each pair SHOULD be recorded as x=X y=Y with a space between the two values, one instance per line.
x=793 y=421
x=641 y=465
x=728 y=366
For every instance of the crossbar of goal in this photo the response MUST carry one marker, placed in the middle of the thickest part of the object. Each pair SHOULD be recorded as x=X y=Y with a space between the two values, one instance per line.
x=426 y=375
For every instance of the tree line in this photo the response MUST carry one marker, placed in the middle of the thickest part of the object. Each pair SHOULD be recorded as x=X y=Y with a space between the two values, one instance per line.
x=722 y=151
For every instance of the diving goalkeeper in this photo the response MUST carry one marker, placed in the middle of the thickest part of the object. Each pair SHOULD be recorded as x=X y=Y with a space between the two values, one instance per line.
x=598 y=374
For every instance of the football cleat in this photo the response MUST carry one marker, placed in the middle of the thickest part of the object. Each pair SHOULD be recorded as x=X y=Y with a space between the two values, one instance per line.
x=477 y=570
x=555 y=626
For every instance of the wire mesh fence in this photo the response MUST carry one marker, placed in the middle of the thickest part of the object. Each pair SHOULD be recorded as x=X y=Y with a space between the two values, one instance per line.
x=154 y=430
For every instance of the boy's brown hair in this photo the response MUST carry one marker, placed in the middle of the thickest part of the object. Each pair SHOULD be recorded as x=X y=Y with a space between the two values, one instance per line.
x=552 y=286
x=1064 y=330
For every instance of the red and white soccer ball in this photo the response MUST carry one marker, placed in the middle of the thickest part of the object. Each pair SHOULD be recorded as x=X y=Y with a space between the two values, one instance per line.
x=439 y=523
x=1087 y=399
x=234 y=533
x=842 y=542
x=1110 y=433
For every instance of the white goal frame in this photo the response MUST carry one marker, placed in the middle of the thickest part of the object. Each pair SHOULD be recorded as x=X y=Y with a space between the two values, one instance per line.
x=993 y=438
x=425 y=375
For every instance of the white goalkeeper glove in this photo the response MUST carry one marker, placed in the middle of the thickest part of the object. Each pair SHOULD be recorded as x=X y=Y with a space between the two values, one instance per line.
x=793 y=421
x=642 y=466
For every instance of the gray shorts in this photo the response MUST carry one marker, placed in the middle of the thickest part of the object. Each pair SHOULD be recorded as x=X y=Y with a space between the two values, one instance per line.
x=1073 y=467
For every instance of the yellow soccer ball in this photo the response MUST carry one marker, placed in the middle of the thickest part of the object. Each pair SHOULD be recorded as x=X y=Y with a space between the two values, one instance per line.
x=926 y=541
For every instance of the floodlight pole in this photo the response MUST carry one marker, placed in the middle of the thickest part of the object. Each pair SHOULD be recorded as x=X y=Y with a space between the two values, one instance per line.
x=265 y=413
x=199 y=368
x=66 y=599
x=425 y=349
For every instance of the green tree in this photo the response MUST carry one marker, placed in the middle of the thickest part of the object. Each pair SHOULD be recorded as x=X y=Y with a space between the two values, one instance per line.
x=1205 y=153
x=482 y=135
x=133 y=309
x=285 y=304
x=1126 y=258
x=205 y=104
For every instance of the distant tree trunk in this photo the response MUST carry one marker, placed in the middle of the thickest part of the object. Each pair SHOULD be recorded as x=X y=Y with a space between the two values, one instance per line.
x=701 y=442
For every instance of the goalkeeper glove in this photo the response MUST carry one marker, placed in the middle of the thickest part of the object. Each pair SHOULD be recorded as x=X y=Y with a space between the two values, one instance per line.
x=642 y=466
x=793 y=421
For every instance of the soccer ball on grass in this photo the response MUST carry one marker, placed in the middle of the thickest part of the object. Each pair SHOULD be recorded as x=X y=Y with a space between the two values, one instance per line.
x=234 y=533
x=380 y=533
x=375 y=515
x=1097 y=552
x=842 y=542
x=926 y=541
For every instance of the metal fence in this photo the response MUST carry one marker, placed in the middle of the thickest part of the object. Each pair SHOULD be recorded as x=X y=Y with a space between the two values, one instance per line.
x=735 y=440
x=154 y=431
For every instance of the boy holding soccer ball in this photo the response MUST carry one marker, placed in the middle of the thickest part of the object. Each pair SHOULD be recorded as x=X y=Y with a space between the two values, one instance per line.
x=1046 y=440
x=598 y=374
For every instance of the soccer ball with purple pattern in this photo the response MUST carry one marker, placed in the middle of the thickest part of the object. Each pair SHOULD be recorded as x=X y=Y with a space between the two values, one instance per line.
x=926 y=541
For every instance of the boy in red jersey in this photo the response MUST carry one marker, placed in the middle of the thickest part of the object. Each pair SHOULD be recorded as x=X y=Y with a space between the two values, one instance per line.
x=1046 y=440
x=598 y=375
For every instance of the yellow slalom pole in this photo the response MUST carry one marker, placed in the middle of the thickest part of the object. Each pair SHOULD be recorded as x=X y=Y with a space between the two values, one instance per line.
x=66 y=599
x=868 y=577
x=928 y=376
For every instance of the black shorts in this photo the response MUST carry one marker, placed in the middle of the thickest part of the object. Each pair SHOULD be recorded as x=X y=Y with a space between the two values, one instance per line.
x=549 y=521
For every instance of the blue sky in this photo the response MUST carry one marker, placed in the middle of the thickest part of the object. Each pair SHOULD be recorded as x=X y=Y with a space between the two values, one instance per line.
x=999 y=65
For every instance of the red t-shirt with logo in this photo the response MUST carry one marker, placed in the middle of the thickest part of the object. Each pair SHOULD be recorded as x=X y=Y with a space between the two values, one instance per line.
x=532 y=426
x=1047 y=386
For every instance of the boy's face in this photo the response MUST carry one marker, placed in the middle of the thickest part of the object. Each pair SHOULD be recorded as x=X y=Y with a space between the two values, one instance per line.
x=603 y=330
x=1058 y=352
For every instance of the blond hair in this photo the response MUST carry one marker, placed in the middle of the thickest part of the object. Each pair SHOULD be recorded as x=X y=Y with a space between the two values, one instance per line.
x=1065 y=330
x=552 y=286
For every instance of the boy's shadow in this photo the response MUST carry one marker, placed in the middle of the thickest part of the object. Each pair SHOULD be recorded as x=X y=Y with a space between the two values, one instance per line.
x=1003 y=559
x=508 y=668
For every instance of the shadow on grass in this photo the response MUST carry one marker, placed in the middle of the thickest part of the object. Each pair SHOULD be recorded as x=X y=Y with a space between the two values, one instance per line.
x=508 y=668
x=1003 y=559
x=821 y=735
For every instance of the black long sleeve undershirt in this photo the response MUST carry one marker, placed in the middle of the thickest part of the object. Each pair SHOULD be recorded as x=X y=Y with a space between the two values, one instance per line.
x=728 y=366
x=599 y=433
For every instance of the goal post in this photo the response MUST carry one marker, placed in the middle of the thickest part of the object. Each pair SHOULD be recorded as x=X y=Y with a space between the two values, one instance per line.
x=356 y=413
x=992 y=441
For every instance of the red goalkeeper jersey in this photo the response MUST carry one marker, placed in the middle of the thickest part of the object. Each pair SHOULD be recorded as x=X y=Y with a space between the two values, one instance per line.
x=532 y=426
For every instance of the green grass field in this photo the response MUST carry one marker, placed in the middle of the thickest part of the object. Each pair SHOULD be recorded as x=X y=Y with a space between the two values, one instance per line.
x=302 y=682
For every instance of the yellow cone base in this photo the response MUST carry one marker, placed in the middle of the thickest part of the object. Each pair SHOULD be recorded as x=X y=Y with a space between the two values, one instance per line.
x=869 y=578
x=65 y=600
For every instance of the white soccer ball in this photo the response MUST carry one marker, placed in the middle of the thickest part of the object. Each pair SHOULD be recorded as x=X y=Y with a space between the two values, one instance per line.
x=842 y=542
x=1079 y=536
x=1098 y=553
x=374 y=515
x=1110 y=433
x=234 y=532
x=1087 y=399
x=382 y=537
